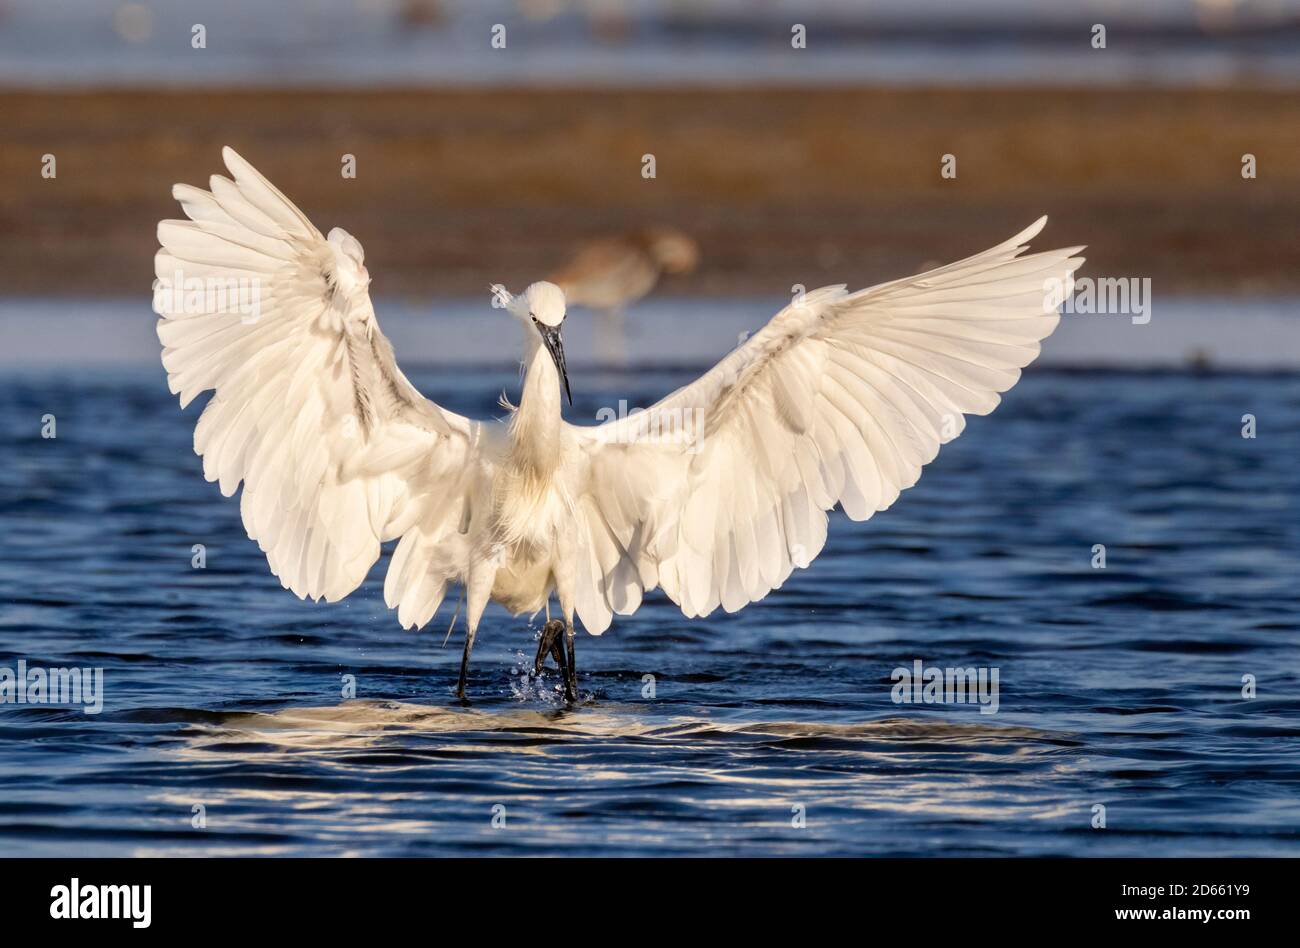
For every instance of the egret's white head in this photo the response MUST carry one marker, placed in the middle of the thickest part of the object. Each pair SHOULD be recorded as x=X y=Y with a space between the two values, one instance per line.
x=541 y=306
x=544 y=302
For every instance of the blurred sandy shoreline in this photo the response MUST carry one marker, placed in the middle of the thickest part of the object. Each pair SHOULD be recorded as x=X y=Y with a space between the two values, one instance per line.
x=781 y=185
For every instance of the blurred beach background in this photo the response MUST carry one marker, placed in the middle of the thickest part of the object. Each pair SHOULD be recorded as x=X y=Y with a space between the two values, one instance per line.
x=1122 y=686
x=788 y=166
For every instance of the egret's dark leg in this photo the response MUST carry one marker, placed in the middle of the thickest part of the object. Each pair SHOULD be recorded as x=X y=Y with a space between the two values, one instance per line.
x=549 y=644
x=477 y=592
x=562 y=660
x=571 y=669
x=562 y=652
x=464 y=663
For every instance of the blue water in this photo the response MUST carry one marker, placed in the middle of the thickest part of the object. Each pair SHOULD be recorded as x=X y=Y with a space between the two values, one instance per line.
x=346 y=43
x=1119 y=686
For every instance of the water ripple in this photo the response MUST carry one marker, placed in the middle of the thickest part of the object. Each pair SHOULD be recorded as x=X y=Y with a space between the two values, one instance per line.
x=225 y=729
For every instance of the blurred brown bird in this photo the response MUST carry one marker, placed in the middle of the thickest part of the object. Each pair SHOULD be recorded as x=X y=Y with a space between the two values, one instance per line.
x=608 y=273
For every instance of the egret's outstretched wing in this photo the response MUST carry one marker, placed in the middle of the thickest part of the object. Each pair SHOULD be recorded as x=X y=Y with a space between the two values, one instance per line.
x=717 y=492
x=337 y=451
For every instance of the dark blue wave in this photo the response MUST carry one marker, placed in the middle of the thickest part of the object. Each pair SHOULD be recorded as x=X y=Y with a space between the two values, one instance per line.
x=1119 y=687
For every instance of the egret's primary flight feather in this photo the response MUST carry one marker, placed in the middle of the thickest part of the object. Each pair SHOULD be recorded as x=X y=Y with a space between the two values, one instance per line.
x=715 y=494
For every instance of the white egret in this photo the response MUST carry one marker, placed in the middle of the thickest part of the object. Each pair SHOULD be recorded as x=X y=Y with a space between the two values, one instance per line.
x=715 y=494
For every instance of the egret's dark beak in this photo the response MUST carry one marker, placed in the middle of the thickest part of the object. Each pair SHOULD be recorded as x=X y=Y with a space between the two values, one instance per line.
x=555 y=346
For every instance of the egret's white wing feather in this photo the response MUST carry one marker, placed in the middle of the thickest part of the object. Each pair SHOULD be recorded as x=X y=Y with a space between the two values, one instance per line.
x=720 y=490
x=336 y=450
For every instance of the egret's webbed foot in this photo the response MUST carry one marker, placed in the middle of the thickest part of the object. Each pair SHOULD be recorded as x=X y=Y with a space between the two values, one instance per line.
x=549 y=644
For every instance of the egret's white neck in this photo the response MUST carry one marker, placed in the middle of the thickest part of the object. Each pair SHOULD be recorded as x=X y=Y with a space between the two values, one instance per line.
x=535 y=428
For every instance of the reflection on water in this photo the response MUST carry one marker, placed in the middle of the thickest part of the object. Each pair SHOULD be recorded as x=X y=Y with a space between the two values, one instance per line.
x=384 y=724
x=627 y=765
x=770 y=731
